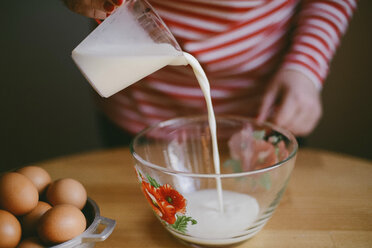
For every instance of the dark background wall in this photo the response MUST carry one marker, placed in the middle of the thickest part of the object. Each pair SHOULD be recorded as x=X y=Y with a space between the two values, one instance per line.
x=47 y=108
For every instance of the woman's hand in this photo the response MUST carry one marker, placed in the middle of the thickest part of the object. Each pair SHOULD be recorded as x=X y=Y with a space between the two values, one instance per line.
x=292 y=102
x=98 y=9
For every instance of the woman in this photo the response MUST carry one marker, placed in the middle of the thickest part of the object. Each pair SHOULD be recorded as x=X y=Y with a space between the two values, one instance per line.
x=266 y=59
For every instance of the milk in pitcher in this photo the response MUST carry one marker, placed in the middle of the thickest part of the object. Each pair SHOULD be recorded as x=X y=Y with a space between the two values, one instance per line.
x=125 y=48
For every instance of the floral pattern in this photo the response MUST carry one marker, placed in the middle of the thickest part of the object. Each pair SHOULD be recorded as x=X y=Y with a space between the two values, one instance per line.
x=166 y=202
x=254 y=151
x=173 y=198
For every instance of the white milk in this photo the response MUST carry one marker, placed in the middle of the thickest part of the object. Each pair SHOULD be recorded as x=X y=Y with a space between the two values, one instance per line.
x=214 y=227
x=229 y=214
x=110 y=68
x=205 y=87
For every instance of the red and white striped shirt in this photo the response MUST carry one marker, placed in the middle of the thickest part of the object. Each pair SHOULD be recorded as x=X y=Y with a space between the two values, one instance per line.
x=240 y=44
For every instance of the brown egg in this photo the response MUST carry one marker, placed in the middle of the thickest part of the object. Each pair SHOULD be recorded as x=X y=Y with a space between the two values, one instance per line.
x=61 y=223
x=39 y=177
x=30 y=220
x=32 y=242
x=10 y=230
x=18 y=194
x=67 y=191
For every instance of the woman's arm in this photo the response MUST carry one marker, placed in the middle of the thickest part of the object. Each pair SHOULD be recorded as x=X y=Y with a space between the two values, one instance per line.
x=293 y=97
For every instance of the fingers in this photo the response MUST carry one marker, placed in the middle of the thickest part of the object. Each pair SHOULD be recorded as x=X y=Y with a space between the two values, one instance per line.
x=93 y=13
x=98 y=9
x=300 y=125
x=102 y=5
x=308 y=117
x=267 y=105
x=287 y=111
x=299 y=114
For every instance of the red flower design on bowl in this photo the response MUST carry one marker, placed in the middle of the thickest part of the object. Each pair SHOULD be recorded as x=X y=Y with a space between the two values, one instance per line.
x=164 y=200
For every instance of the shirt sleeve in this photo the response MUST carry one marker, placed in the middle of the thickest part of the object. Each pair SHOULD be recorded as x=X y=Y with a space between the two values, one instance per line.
x=320 y=26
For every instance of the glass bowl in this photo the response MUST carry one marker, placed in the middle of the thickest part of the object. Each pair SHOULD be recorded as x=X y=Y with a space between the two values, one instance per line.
x=174 y=165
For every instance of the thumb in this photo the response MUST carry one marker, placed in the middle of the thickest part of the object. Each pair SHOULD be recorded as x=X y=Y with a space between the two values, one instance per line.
x=268 y=100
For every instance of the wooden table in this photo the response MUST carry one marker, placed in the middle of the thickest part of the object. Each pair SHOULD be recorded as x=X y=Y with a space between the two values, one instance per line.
x=328 y=202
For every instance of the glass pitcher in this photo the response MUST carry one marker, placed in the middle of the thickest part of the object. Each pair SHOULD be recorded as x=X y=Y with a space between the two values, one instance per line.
x=129 y=45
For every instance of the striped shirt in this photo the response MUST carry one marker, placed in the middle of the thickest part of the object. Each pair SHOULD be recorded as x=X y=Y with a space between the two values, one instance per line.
x=240 y=45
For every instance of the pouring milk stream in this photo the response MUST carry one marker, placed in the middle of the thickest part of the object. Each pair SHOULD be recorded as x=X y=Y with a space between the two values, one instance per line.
x=113 y=60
